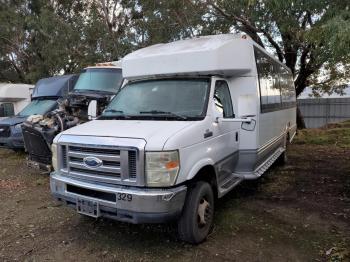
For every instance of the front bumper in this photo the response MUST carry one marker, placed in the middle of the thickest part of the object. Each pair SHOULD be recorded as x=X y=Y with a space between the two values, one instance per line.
x=12 y=142
x=147 y=205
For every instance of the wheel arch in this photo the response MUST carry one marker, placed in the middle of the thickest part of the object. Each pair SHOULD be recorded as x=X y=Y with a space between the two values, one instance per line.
x=208 y=174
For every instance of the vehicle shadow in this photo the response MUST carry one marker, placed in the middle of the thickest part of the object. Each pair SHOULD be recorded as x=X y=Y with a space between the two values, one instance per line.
x=142 y=238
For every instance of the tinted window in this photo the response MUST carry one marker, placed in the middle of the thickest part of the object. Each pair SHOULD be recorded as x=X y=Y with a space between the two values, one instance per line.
x=287 y=88
x=7 y=110
x=222 y=99
x=100 y=79
x=276 y=84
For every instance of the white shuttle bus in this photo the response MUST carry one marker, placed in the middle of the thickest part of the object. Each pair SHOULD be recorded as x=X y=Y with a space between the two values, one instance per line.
x=195 y=118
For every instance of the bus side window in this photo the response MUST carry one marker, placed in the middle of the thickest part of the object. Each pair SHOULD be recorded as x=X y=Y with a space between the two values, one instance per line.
x=7 y=110
x=222 y=99
x=276 y=84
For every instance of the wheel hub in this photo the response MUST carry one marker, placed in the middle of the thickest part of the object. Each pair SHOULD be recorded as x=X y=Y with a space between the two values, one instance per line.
x=203 y=212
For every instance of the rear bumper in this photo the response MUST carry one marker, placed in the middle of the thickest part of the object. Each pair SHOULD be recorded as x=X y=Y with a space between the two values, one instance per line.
x=12 y=142
x=147 y=205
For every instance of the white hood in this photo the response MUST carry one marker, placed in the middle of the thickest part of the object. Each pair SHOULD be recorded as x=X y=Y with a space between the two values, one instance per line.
x=155 y=133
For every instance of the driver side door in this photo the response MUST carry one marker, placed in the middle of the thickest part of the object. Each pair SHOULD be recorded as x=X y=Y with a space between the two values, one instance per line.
x=226 y=133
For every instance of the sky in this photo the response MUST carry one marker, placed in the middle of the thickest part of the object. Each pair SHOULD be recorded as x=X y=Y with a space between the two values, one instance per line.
x=307 y=92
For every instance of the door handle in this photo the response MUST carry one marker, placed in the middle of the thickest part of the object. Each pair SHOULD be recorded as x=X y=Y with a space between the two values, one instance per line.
x=208 y=133
x=236 y=136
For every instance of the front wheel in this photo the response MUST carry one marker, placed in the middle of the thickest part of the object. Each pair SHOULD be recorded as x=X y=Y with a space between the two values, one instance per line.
x=197 y=215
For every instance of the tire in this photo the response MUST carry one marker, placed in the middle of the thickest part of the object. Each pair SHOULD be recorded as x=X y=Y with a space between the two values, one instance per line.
x=193 y=227
x=283 y=158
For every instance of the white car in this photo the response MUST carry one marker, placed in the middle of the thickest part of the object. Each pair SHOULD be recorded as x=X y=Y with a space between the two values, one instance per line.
x=196 y=118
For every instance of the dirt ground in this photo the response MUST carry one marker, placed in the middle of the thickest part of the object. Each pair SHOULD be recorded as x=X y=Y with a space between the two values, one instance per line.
x=296 y=212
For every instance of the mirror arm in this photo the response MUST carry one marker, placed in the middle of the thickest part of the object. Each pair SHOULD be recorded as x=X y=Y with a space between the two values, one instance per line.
x=244 y=120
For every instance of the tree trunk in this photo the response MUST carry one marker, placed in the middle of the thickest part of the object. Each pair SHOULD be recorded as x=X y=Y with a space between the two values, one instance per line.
x=300 y=119
x=300 y=85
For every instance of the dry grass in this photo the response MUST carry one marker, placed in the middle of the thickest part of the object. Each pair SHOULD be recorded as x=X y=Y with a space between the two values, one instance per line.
x=296 y=212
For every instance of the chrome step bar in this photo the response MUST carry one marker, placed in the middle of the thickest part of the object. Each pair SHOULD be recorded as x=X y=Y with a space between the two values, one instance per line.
x=262 y=168
x=237 y=178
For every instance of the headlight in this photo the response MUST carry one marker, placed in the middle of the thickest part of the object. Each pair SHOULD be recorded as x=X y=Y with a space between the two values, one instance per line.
x=54 y=156
x=162 y=168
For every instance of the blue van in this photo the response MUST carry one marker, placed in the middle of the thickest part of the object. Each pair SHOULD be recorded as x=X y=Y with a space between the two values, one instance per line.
x=46 y=93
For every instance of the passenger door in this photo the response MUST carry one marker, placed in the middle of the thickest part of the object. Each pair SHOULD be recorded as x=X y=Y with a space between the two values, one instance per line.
x=226 y=133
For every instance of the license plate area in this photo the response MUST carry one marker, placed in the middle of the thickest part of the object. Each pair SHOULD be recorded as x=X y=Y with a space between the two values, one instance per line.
x=88 y=207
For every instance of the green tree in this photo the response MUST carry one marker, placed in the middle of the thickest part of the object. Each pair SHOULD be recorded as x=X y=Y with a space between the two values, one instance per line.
x=164 y=21
x=13 y=41
x=41 y=38
x=311 y=37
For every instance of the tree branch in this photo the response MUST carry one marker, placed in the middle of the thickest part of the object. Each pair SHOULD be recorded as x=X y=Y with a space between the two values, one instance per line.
x=306 y=70
x=250 y=28
x=18 y=71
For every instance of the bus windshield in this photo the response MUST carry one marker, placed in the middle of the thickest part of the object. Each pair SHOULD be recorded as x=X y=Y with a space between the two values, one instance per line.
x=99 y=79
x=39 y=107
x=180 y=99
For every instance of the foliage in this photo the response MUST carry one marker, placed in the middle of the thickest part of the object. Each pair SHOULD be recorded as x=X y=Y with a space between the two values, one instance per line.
x=41 y=38
x=44 y=38
x=311 y=37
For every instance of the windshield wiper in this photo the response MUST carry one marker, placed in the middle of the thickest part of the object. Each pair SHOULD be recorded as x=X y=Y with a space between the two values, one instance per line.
x=81 y=91
x=114 y=111
x=157 y=112
x=121 y=114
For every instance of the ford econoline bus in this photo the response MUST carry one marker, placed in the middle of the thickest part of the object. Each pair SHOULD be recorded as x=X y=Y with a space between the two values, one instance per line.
x=196 y=118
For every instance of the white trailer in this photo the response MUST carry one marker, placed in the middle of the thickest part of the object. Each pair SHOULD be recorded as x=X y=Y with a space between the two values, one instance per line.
x=196 y=118
x=13 y=98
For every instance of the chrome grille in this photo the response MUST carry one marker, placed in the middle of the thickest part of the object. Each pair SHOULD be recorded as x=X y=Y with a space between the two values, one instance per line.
x=117 y=165
x=94 y=150
x=132 y=164
x=64 y=156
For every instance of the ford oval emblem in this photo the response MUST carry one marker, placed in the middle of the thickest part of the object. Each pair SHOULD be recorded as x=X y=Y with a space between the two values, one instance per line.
x=92 y=162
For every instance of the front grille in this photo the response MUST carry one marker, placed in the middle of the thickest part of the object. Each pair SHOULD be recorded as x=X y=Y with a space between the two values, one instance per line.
x=117 y=166
x=92 y=172
x=64 y=156
x=5 y=131
x=95 y=150
x=132 y=164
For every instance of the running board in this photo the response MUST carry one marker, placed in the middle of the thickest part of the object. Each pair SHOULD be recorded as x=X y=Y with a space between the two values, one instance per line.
x=228 y=184
x=262 y=168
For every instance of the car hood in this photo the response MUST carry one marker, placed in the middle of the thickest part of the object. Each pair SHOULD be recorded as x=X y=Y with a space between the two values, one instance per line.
x=155 y=133
x=11 y=121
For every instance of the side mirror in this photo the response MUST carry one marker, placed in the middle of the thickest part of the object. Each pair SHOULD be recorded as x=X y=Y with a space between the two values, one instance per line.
x=248 y=123
x=249 y=126
x=92 y=110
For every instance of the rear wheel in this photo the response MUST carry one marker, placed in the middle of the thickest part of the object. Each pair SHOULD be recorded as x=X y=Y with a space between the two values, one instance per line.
x=197 y=215
x=283 y=159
